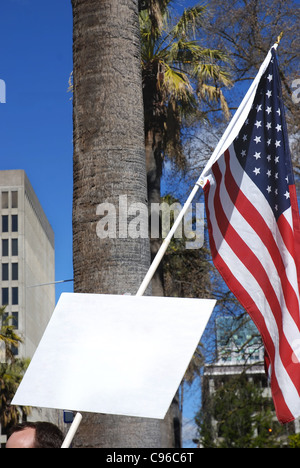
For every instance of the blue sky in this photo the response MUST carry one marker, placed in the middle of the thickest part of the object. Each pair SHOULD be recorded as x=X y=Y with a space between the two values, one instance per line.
x=36 y=120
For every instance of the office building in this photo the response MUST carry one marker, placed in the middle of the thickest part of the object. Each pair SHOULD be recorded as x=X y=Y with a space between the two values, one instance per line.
x=27 y=260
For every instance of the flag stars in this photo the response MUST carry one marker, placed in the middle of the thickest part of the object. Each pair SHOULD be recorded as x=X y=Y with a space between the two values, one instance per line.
x=269 y=109
x=269 y=189
x=278 y=128
x=258 y=123
x=277 y=143
x=256 y=171
x=269 y=125
x=257 y=155
x=257 y=139
x=270 y=78
x=269 y=94
x=287 y=195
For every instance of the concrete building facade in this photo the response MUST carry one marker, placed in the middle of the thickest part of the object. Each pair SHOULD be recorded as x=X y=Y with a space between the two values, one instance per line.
x=27 y=260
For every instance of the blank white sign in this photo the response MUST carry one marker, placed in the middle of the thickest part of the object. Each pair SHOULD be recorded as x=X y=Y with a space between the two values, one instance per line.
x=110 y=354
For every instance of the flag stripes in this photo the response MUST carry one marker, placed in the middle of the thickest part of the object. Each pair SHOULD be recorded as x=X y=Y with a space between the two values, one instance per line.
x=282 y=410
x=255 y=255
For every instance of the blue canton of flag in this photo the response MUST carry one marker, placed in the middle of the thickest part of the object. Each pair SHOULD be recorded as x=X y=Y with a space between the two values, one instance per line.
x=262 y=145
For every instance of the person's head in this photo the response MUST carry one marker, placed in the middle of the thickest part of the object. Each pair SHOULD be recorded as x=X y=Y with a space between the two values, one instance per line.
x=35 y=435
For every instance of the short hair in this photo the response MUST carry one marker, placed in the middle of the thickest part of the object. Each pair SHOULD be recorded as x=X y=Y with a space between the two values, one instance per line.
x=47 y=435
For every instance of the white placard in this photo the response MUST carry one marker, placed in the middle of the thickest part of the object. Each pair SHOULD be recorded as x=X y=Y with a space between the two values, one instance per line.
x=111 y=354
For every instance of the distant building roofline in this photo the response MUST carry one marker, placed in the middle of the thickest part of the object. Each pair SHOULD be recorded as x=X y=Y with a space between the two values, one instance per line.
x=18 y=178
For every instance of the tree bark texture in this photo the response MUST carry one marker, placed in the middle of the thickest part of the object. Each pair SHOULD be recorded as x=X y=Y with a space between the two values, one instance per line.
x=109 y=148
x=109 y=161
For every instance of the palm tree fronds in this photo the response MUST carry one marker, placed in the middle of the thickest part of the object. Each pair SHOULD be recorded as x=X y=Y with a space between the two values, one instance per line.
x=8 y=336
x=177 y=83
x=212 y=72
x=11 y=375
x=214 y=94
x=156 y=10
x=11 y=372
x=189 y=21
x=184 y=52
x=180 y=76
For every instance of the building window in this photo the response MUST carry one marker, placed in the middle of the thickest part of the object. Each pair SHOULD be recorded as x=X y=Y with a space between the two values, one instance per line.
x=4 y=200
x=14 y=247
x=14 y=350
x=14 y=271
x=4 y=247
x=5 y=296
x=15 y=296
x=4 y=271
x=14 y=199
x=14 y=223
x=15 y=320
x=5 y=223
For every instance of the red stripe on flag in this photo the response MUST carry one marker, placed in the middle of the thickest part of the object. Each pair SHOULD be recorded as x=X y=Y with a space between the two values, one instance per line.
x=296 y=227
x=292 y=234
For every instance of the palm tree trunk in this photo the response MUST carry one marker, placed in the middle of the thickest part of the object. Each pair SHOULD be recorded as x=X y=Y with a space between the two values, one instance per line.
x=109 y=160
x=109 y=154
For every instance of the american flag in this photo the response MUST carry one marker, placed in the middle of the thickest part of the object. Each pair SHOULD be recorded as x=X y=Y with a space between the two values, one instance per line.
x=254 y=230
